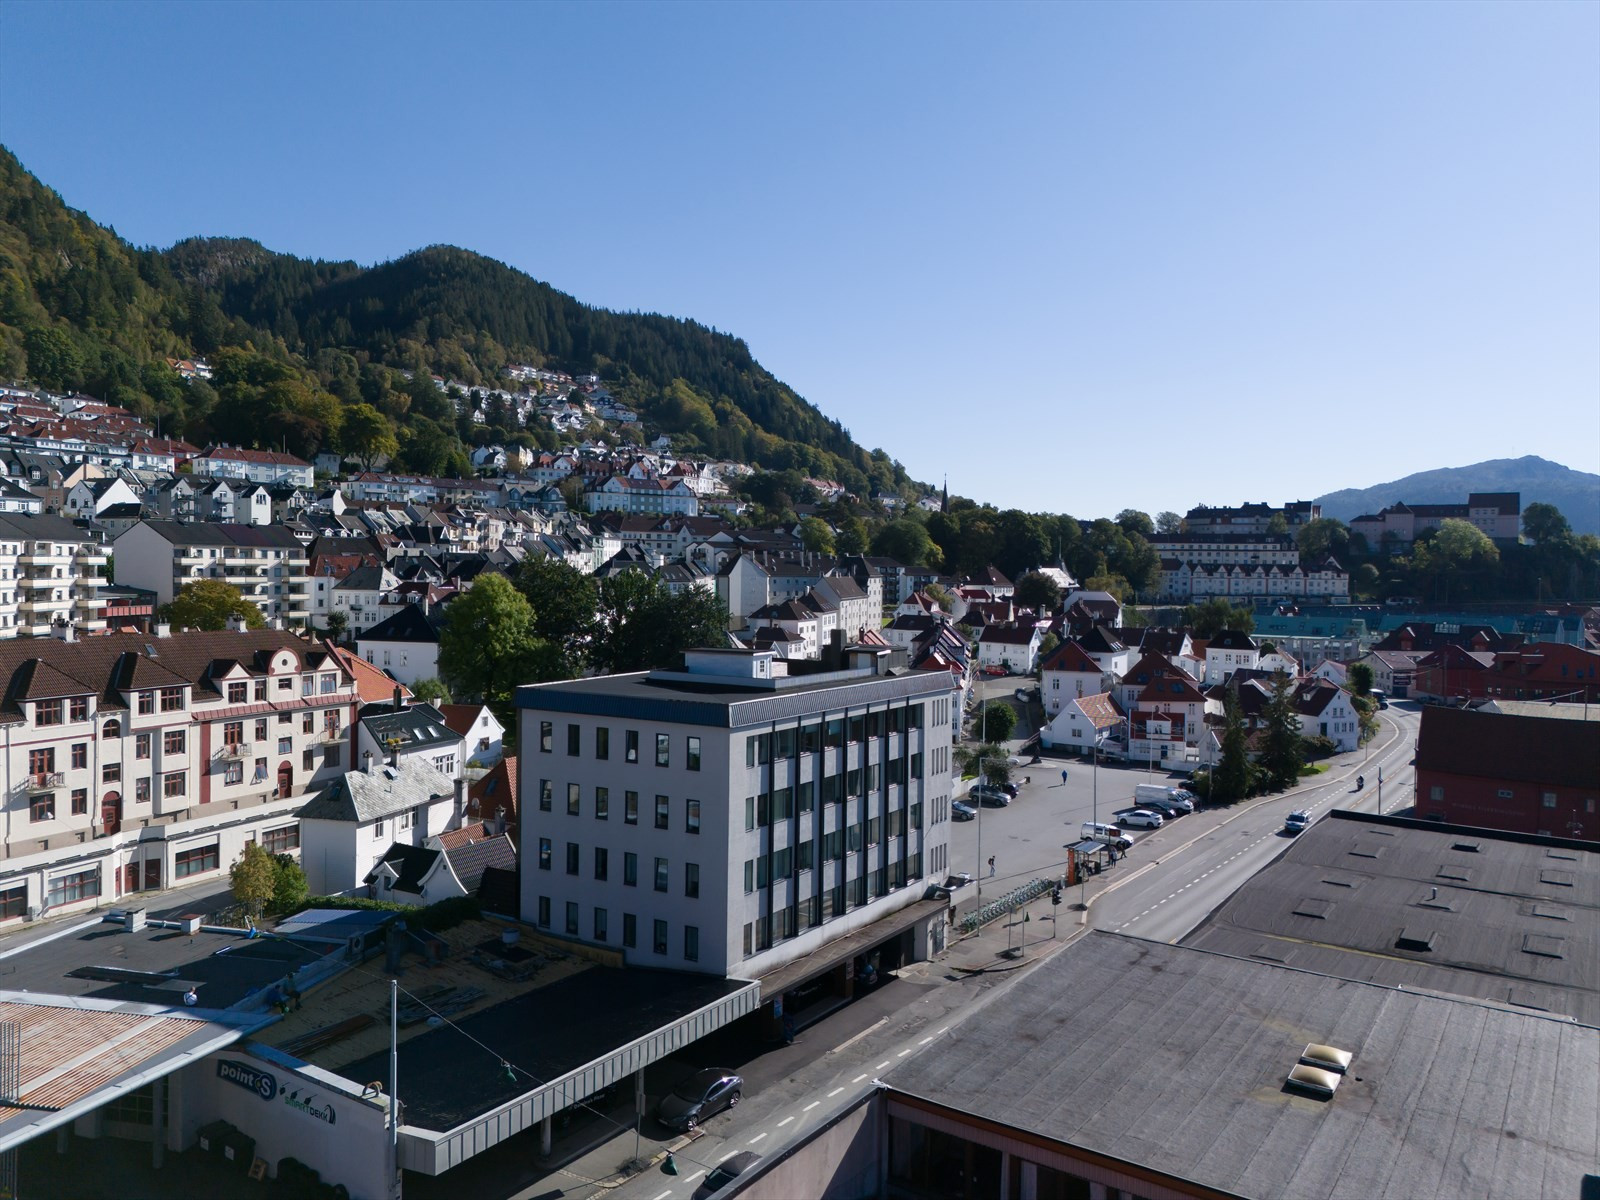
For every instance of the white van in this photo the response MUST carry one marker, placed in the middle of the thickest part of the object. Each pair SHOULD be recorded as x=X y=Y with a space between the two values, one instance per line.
x=1160 y=791
x=1109 y=834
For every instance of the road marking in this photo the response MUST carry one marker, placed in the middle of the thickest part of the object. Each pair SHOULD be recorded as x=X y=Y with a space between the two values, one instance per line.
x=664 y=1194
x=755 y=1139
x=834 y=1093
x=904 y=1052
x=852 y=1040
x=925 y=1041
x=691 y=1178
x=784 y=1122
x=810 y=1106
x=726 y=1156
x=937 y=1032
x=859 y=1077
x=881 y=1065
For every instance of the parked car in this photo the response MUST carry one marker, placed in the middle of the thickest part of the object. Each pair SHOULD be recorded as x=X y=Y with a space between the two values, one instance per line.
x=725 y=1172
x=1140 y=818
x=1296 y=822
x=701 y=1095
x=1009 y=789
x=962 y=812
x=1169 y=809
x=989 y=795
x=1109 y=834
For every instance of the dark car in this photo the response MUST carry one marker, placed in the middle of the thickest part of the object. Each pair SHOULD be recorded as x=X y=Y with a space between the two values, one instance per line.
x=962 y=812
x=703 y=1094
x=725 y=1172
x=1009 y=789
x=988 y=795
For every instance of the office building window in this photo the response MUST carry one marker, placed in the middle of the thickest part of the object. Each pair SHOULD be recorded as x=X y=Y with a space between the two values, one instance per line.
x=661 y=937
x=692 y=754
x=599 y=924
x=691 y=816
x=691 y=880
x=691 y=943
x=572 y=858
x=42 y=807
x=173 y=741
x=630 y=746
x=630 y=869
x=630 y=808
x=47 y=712
x=574 y=799
x=78 y=708
x=544 y=854
x=172 y=699
x=196 y=860
x=546 y=736
x=80 y=802
x=602 y=742
x=661 y=875
x=141 y=745
x=663 y=749
x=175 y=784
x=544 y=912
x=574 y=739
x=601 y=863
x=630 y=930
x=663 y=820
x=546 y=789
x=602 y=804
x=82 y=885
x=572 y=918
x=80 y=755
x=147 y=703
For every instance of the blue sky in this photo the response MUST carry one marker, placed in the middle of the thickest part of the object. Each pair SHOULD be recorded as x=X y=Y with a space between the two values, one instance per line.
x=1078 y=257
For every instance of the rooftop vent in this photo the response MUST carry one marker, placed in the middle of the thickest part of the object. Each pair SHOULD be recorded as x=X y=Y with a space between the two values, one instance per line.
x=1418 y=940
x=1459 y=874
x=1466 y=847
x=1545 y=945
x=1326 y=1058
x=1314 y=908
x=1558 y=878
x=1367 y=851
x=1551 y=912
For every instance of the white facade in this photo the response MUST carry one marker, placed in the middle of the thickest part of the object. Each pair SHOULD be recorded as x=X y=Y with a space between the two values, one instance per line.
x=733 y=831
x=268 y=566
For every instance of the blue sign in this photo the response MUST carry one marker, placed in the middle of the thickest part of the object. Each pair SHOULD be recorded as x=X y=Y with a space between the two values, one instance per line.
x=262 y=1083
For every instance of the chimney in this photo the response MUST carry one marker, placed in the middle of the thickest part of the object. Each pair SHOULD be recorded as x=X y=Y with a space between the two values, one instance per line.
x=236 y=623
x=461 y=803
x=366 y=761
x=163 y=629
x=399 y=705
x=63 y=629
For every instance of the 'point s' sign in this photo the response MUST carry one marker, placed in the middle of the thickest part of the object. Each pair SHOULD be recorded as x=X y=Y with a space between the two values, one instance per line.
x=262 y=1083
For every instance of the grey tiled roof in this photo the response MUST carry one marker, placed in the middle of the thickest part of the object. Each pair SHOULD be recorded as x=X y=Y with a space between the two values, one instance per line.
x=361 y=797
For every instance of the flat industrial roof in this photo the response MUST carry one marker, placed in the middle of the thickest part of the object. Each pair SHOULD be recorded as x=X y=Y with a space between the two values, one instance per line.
x=1500 y=916
x=1174 y=1059
x=153 y=965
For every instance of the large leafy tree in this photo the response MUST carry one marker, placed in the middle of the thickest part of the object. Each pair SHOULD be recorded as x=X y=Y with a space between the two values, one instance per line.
x=565 y=603
x=641 y=624
x=1038 y=592
x=1212 y=616
x=816 y=536
x=487 y=646
x=906 y=541
x=367 y=435
x=1231 y=778
x=1322 y=537
x=1282 y=752
x=995 y=721
x=253 y=879
x=207 y=604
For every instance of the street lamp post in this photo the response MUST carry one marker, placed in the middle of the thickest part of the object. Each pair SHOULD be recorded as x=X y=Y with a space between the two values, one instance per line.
x=983 y=734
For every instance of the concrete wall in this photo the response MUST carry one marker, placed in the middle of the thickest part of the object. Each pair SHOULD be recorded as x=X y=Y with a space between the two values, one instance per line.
x=839 y=1162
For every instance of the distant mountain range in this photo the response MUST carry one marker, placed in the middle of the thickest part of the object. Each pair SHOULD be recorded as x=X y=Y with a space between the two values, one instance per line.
x=1575 y=493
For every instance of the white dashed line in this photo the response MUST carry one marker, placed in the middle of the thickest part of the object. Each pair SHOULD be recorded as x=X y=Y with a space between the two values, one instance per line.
x=810 y=1106
x=881 y=1065
x=688 y=1179
x=859 y=1077
x=755 y=1139
x=925 y=1041
x=727 y=1156
x=937 y=1032
x=664 y=1194
x=834 y=1093
x=904 y=1052
x=784 y=1122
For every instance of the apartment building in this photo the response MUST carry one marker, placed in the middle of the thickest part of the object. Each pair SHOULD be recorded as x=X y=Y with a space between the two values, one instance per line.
x=736 y=815
x=134 y=762
x=253 y=466
x=267 y=564
x=50 y=571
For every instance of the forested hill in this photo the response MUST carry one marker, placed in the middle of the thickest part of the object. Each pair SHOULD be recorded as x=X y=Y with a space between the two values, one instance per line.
x=80 y=308
x=1540 y=481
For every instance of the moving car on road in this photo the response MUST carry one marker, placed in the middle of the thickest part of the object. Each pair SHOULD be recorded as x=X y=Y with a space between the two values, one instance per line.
x=1296 y=822
x=702 y=1095
x=725 y=1172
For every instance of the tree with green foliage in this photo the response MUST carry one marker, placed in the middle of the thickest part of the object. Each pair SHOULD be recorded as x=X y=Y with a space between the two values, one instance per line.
x=253 y=879
x=852 y=537
x=990 y=762
x=337 y=624
x=1282 y=753
x=939 y=596
x=1212 y=616
x=487 y=647
x=641 y=624
x=431 y=690
x=1038 y=592
x=367 y=435
x=1134 y=521
x=995 y=721
x=207 y=604
x=907 y=542
x=1322 y=537
x=1544 y=523
x=289 y=889
x=815 y=536
x=565 y=602
x=1360 y=678
x=1169 y=523
x=1230 y=780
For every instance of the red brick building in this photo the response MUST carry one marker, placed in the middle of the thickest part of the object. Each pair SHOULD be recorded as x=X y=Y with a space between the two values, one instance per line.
x=1545 y=671
x=1528 y=774
x=1452 y=674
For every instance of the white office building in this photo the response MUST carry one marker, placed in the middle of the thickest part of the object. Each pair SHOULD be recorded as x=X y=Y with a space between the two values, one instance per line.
x=740 y=814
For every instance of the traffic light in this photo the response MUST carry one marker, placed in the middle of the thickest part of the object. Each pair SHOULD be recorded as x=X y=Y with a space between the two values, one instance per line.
x=1055 y=895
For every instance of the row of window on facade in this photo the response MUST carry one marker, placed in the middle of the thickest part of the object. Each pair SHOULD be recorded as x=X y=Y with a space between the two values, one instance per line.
x=780 y=863
x=630 y=806
x=171 y=699
x=599 y=929
x=630 y=745
x=810 y=912
x=630 y=867
x=760 y=748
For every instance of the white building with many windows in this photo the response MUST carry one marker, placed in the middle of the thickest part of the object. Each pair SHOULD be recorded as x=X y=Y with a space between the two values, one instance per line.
x=50 y=571
x=737 y=815
x=267 y=564
x=133 y=762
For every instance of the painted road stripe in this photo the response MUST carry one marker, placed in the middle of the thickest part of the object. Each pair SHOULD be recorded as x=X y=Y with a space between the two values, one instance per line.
x=937 y=1032
x=727 y=1156
x=664 y=1194
x=810 y=1106
x=859 y=1077
x=834 y=1093
x=904 y=1052
x=755 y=1139
x=925 y=1041
x=881 y=1065
x=784 y=1122
x=691 y=1178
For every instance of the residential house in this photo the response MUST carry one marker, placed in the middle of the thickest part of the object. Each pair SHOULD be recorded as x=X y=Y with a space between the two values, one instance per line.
x=1229 y=651
x=352 y=821
x=395 y=732
x=1067 y=674
x=266 y=563
x=1011 y=648
x=1085 y=722
x=482 y=735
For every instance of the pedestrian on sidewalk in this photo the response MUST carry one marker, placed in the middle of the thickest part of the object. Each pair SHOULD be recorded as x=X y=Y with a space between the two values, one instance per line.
x=991 y=866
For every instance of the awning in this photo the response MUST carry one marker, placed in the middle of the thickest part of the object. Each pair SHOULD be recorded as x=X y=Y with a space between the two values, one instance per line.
x=829 y=955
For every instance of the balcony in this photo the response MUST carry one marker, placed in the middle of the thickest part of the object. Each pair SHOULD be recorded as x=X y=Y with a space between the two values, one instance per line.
x=230 y=751
x=331 y=735
x=46 y=581
x=44 y=559
x=45 y=781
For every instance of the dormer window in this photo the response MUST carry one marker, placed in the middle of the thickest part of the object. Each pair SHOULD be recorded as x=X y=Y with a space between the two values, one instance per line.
x=238 y=693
